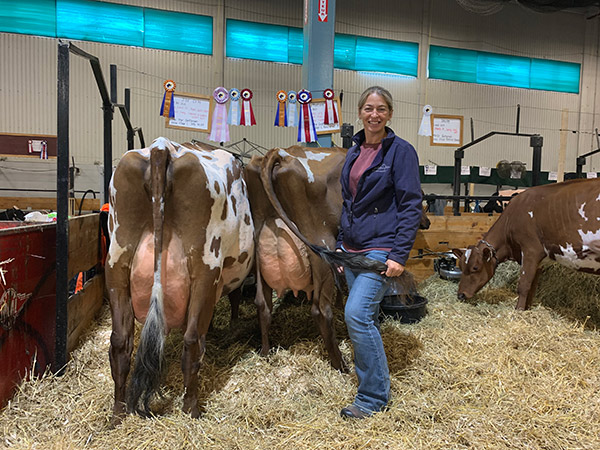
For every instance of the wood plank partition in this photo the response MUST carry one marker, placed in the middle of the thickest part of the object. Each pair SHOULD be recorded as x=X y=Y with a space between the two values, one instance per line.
x=444 y=234
x=84 y=253
x=45 y=203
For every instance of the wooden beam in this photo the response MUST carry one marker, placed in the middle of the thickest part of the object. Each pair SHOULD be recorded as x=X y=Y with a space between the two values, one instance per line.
x=45 y=203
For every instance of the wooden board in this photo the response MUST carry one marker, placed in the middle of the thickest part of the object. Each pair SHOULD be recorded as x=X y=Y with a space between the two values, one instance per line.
x=82 y=308
x=18 y=145
x=444 y=234
x=83 y=243
x=45 y=203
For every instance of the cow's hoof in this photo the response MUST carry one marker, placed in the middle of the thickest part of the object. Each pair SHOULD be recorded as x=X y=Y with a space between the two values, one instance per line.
x=115 y=421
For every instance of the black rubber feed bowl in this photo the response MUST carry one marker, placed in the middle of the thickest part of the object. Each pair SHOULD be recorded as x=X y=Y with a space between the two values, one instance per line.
x=409 y=313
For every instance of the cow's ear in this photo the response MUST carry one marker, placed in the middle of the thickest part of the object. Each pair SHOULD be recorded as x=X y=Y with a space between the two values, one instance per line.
x=458 y=252
x=487 y=254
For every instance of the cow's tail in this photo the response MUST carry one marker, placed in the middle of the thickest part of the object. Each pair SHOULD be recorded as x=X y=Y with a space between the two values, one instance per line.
x=354 y=261
x=148 y=365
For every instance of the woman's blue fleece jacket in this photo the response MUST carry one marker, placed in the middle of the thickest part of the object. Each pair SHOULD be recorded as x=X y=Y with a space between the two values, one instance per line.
x=388 y=205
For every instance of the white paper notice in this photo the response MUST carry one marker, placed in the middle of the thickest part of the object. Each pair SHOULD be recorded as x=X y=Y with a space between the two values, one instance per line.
x=485 y=171
x=430 y=170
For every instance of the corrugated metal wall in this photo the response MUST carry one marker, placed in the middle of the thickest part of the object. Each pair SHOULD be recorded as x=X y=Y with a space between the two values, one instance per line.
x=28 y=86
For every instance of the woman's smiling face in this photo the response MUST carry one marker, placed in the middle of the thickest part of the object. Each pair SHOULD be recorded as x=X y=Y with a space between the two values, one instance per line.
x=375 y=114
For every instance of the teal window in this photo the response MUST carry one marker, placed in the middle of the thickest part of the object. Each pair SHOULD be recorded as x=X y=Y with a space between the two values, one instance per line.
x=503 y=70
x=111 y=23
x=555 y=75
x=344 y=51
x=182 y=32
x=36 y=17
x=276 y=43
x=251 y=40
x=295 y=45
x=382 y=55
x=100 y=22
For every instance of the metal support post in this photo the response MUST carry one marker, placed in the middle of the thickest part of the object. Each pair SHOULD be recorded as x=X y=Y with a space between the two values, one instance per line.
x=458 y=157
x=536 y=142
x=62 y=208
x=347 y=132
x=317 y=62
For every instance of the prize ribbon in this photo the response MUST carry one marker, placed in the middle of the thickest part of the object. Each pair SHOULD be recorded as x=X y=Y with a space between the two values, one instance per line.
x=167 y=108
x=281 y=116
x=44 y=150
x=306 y=125
x=219 y=130
x=234 y=107
x=331 y=117
x=425 y=128
x=291 y=108
x=247 y=117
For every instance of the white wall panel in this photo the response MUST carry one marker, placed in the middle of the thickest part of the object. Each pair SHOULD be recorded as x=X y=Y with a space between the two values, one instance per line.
x=28 y=79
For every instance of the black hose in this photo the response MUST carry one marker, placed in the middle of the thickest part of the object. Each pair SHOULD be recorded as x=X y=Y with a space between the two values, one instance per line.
x=82 y=197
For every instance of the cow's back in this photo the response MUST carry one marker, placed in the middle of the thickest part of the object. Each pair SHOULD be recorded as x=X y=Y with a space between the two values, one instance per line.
x=564 y=218
x=307 y=184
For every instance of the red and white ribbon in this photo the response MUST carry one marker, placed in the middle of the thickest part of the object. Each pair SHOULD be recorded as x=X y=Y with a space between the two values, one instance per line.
x=306 y=124
x=219 y=130
x=247 y=117
x=331 y=117
x=44 y=150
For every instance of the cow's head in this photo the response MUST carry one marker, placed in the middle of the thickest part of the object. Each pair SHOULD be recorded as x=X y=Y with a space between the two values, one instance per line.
x=477 y=264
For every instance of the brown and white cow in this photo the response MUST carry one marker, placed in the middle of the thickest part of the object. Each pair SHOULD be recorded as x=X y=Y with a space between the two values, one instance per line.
x=560 y=221
x=181 y=236
x=307 y=179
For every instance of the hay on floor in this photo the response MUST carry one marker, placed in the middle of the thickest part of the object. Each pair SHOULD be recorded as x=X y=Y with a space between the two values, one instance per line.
x=476 y=375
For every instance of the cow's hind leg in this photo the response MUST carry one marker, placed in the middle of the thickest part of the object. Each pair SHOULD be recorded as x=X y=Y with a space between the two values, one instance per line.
x=235 y=298
x=528 y=281
x=532 y=289
x=121 y=347
x=323 y=316
x=264 y=304
x=200 y=312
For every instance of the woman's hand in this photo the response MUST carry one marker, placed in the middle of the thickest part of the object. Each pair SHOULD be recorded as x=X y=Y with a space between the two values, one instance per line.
x=340 y=269
x=394 y=269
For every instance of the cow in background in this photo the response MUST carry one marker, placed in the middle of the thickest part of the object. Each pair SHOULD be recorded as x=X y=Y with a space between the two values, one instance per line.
x=560 y=221
x=181 y=236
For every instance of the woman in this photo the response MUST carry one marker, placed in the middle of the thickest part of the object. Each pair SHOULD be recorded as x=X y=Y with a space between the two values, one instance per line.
x=381 y=211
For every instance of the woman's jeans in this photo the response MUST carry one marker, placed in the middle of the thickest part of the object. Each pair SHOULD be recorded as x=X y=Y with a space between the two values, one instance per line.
x=362 y=320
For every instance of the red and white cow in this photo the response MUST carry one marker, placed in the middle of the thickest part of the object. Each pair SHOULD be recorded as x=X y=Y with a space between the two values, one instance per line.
x=308 y=181
x=181 y=236
x=560 y=221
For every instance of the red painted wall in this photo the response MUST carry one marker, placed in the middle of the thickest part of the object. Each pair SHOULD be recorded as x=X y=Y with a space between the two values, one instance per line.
x=27 y=302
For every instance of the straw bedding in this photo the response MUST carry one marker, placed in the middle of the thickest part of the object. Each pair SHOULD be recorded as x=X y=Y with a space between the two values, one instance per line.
x=473 y=375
